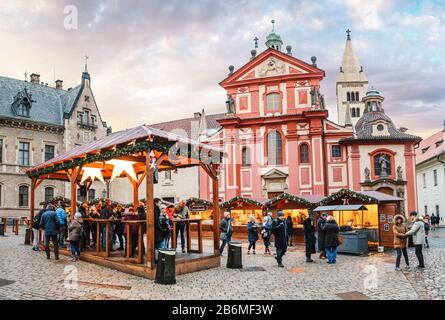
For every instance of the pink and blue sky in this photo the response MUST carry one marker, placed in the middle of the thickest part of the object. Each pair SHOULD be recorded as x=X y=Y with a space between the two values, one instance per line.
x=153 y=61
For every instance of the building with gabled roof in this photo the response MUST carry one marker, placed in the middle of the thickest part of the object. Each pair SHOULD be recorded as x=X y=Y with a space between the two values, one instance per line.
x=430 y=169
x=38 y=122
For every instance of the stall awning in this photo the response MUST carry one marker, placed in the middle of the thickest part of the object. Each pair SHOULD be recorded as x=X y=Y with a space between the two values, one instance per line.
x=348 y=207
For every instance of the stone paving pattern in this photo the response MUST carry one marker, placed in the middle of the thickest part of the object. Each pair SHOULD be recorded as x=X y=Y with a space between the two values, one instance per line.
x=37 y=278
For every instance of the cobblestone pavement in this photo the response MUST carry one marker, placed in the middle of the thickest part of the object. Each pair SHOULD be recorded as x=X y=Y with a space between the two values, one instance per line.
x=353 y=277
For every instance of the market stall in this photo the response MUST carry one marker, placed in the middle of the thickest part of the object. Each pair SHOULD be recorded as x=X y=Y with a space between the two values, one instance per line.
x=240 y=209
x=373 y=215
x=297 y=207
x=134 y=153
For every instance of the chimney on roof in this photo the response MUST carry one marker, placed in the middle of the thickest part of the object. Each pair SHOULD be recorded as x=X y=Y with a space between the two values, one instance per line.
x=59 y=84
x=197 y=115
x=35 y=78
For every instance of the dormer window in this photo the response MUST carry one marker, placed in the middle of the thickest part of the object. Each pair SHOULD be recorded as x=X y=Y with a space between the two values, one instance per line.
x=22 y=103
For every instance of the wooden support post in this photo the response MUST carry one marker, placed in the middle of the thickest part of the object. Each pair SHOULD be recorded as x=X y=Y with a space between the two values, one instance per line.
x=31 y=208
x=140 y=235
x=135 y=194
x=150 y=252
x=215 y=191
x=98 y=244
x=128 y=243
x=107 y=239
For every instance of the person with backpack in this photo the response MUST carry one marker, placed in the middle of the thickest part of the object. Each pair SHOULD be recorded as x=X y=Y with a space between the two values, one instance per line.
x=75 y=231
x=61 y=215
x=252 y=236
x=35 y=229
x=266 y=228
x=51 y=224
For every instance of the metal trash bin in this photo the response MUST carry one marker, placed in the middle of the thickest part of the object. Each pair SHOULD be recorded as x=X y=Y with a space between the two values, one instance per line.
x=166 y=267
x=2 y=228
x=28 y=236
x=234 y=259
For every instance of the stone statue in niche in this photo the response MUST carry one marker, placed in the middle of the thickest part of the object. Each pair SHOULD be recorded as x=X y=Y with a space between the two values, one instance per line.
x=272 y=66
x=314 y=97
x=384 y=163
x=367 y=174
x=399 y=173
x=230 y=104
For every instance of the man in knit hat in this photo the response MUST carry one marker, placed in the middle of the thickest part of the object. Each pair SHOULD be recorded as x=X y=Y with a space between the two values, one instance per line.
x=279 y=229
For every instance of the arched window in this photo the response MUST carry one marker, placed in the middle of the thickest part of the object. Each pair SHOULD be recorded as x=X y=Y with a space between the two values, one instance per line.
x=382 y=162
x=49 y=194
x=357 y=96
x=273 y=102
x=23 y=196
x=245 y=154
x=304 y=153
x=23 y=108
x=357 y=113
x=353 y=112
x=348 y=96
x=274 y=148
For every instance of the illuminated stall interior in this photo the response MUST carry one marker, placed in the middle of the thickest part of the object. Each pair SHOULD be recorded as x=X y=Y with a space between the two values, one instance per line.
x=200 y=209
x=241 y=208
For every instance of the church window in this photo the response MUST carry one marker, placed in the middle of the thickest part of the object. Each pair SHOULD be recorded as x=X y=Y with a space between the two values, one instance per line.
x=24 y=153
x=357 y=96
x=1 y=150
x=304 y=153
x=49 y=152
x=336 y=151
x=273 y=102
x=435 y=177
x=357 y=112
x=274 y=148
x=348 y=96
x=245 y=154
x=380 y=127
x=353 y=112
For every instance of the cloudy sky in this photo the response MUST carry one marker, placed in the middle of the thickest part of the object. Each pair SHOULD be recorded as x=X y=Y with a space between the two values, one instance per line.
x=153 y=61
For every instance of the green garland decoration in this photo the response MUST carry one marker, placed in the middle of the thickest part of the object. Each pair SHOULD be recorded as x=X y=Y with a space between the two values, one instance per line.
x=238 y=198
x=199 y=201
x=347 y=193
x=287 y=196
x=56 y=200
x=113 y=203
x=190 y=152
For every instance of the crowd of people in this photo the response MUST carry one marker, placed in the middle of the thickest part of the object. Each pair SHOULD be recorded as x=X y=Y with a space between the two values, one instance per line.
x=82 y=231
x=56 y=222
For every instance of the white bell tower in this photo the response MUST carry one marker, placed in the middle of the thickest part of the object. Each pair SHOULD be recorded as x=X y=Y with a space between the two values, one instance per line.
x=352 y=85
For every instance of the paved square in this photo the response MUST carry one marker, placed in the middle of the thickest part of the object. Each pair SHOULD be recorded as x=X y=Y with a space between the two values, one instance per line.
x=25 y=274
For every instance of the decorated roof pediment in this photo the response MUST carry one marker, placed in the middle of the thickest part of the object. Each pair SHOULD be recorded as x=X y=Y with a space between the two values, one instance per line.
x=271 y=63
x=274 y=173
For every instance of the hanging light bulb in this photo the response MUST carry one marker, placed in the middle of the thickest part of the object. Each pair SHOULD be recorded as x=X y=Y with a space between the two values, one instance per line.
x=121 y=166
x=92 y=173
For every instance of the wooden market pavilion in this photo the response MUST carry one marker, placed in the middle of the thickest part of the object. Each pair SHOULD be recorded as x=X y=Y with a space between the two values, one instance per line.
x=147 y=149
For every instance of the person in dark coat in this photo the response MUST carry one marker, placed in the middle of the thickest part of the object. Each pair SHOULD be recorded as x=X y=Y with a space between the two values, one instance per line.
x=94 y=214
x=331 y=239
x=309 y=238
x=252 y=229
x=142 y=215
x=226 y=230
x=157 y=224
x=86 y=234
x=105 y=214
x=290 y=230
x=119 y=227
x=51 y=224
x=321 y=235
x=279 y=229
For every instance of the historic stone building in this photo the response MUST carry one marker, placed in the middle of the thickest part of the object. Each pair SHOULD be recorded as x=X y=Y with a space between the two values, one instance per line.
x=37 y=123
x=430 y=169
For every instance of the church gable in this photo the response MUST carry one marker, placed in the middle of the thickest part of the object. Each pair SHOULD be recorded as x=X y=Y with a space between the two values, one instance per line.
x=271 y=63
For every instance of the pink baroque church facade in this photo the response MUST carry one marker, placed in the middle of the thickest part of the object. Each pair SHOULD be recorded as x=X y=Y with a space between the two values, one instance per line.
x=278 y=137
